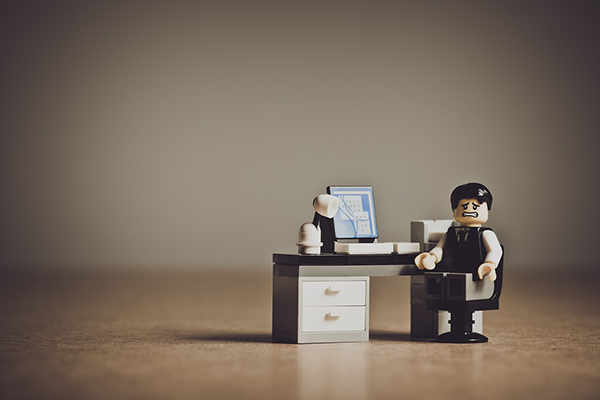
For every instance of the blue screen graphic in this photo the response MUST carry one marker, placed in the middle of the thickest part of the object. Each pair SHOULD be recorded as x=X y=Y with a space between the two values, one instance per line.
x=355 y=218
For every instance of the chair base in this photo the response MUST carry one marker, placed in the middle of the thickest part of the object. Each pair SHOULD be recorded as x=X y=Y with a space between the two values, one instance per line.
x=457 y=337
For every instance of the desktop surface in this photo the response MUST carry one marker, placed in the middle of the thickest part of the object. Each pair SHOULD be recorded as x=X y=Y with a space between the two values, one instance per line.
x=345 y=259
x=298 y=265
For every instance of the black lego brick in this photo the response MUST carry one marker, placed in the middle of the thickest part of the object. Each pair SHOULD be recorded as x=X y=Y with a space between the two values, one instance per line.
x=371 y=259
x=309 y=259
x=344 y=259
x=405 y=259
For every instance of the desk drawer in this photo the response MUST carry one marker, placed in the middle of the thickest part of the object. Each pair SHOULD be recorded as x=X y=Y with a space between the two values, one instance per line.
x=328 y=319
x=334 y=293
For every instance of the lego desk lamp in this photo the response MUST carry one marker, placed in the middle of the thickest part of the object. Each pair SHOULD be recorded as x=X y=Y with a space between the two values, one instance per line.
x=309 y=236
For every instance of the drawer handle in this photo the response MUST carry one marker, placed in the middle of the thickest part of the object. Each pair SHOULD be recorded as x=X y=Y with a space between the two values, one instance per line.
x=333 y=289
x=333 y=315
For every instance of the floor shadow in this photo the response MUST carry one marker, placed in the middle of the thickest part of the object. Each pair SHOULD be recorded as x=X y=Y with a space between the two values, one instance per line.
x=233 y=337
x=394 y=337
x=374 y=336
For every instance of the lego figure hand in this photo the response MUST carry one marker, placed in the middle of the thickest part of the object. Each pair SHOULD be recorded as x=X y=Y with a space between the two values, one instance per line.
x=487 y=268
x=425 y=260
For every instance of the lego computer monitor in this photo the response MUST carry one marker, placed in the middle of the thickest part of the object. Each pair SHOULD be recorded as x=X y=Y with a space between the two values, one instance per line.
x=355 y=218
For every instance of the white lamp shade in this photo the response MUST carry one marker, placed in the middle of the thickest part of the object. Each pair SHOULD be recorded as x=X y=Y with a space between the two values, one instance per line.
x=326 y=205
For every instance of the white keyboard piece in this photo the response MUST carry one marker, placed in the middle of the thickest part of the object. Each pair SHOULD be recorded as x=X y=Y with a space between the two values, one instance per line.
x=364 y=248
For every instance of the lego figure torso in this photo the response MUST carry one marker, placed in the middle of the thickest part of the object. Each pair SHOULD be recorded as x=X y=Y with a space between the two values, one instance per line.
x=464 y=250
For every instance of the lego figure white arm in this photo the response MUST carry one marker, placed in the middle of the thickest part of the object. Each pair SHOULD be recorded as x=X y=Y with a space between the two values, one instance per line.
x=429 y=260
x=494 y=254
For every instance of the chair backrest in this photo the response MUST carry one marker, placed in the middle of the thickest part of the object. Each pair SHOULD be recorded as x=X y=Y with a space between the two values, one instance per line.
x=428 y=232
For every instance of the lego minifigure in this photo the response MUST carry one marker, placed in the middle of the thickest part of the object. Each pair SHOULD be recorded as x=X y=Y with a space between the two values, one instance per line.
x=469 y=248
x=462 y=258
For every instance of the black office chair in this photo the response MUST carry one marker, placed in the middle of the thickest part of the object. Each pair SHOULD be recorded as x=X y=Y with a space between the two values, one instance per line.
x=461 y=312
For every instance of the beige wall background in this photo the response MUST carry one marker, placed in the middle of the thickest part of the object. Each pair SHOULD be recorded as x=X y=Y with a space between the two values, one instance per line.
x=166 y=134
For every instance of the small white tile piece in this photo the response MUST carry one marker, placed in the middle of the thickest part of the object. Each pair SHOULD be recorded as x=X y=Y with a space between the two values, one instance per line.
x=334 y=293
x=406 y=247
x=364 y=248
x=328 y=319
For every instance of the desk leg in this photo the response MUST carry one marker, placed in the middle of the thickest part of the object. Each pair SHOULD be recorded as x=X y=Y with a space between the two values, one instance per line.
x=285 y=309
x=424 y=324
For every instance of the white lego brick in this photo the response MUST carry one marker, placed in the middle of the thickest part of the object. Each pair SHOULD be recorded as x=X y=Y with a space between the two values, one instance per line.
x=437 y=229
x=333 y=319
x=478 y=325
x=418 y=230
x=406 y=248
x=435 y=237
x=334 y=293
x=364 y=248
x=429 y=230
x=443 y=322
x=441 y=225
x=469 y=289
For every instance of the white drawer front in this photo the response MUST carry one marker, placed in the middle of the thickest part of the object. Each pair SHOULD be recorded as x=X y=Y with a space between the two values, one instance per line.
x=332 y=293
x=327 y=319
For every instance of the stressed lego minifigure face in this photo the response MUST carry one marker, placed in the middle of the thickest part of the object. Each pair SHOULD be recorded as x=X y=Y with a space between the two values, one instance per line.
x=471 y=212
